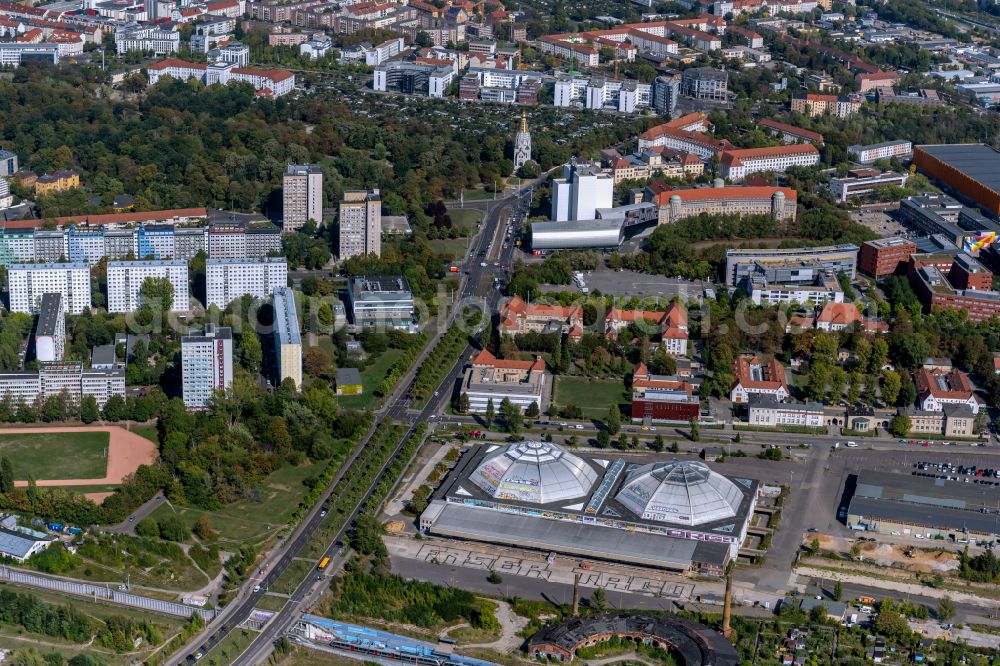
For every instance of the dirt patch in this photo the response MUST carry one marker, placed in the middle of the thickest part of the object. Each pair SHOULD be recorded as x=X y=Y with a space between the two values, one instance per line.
x=911 y=559
x=126 y=451
x=98 y=498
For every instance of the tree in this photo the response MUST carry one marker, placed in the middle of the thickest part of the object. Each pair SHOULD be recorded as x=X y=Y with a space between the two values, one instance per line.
x=945 y=608
x=89 y=411
x=603 y=439
x=32 y=491
x=658 y=444
x=6 y=475
x=203 y=528
x=890 y=387
x=494 y=578
x=695 y=432
x=317 y=363
x=511 y=415
x=156 y=293
x=251 y=354
x=531 y=412
x=598 y=599
x=463 y=403
x=490 y=413
x=173 y=528
x=900 y=425
x=614 y=422
x=115 y=409
x=838 y=591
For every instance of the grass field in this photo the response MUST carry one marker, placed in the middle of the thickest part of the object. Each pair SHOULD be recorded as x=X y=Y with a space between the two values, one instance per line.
x=230 y=648
x=454 y=248
x=592 y=396
x=254 y=521
x=57 y=455
x=478 y=195
x=371 y=377
x=465 y=217
x=149 y=432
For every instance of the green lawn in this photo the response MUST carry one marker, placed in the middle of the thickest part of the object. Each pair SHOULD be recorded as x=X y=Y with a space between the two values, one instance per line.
x=226 y=652
x=371 y=377
x=593 y=396
x=57 y=455
x=292 y=576
x=254 y=520
x=149 y=432
x=465 y=217
x=451 y=247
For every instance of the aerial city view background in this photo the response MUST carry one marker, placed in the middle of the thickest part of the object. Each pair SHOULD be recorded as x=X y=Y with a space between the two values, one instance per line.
x=499 y=332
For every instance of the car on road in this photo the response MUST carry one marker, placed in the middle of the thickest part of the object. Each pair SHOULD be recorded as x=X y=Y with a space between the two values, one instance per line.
x=256 y=588
x=198 y=655
x=852 y=445
x=812 y=529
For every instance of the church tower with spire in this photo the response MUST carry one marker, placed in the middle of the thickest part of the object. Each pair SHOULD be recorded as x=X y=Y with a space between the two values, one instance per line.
x=522 y=143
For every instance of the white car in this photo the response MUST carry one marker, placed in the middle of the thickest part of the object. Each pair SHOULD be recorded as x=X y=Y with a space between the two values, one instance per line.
x=852 y=445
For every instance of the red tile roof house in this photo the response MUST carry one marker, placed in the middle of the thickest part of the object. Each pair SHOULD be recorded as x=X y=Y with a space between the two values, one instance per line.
x=838 y=316
x=671 y=325
x=937 y=388
x=520 y=317
x=753 y=376
x=489 y=378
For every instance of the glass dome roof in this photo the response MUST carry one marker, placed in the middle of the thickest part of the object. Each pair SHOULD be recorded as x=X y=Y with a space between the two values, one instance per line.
x=536 y=472
x=681 y=492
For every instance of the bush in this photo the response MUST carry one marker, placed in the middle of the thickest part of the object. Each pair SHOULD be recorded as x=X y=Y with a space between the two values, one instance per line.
x=147 y=527
x=173 y=528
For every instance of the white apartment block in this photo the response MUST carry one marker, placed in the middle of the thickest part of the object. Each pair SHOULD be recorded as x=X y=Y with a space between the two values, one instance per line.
x=228 y=243
x=125 y=279
x=881 y=151
x=229 y=279
x=302 y=196
x=151 y=38
x=27 y=283
x=387 y=49
x=740 y=163
x=360 y=223
x=206 y=365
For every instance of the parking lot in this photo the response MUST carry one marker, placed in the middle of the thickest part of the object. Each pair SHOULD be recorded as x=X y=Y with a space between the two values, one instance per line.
x=632 y=283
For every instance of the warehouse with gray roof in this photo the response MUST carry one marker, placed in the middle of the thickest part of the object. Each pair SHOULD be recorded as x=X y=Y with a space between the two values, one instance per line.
x=928 y=506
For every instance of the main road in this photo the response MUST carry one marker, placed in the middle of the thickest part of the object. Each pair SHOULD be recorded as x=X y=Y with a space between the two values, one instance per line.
x=486 y=256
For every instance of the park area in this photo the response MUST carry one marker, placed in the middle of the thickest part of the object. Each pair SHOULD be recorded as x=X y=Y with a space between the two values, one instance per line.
x=593 y=397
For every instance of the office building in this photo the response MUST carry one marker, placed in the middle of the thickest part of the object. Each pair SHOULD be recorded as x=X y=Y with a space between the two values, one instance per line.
x=823 y=288
x=580 y=192
x=885 y=256
x=678 y=515
x=675 y=205
x=790 y=265
x=950 y=281
x=302 y=196
x=705 y=83
x=287 y=337
x=27 y=283
x=969 y=170
x=413 y=78
x=125 y=279
x=229 y=279
x=767 y=412
x=8 y=163
x=665 y=92
x=360 y=223
x=860 y=182
x=50 y=330
x=206 y=365
x=384 y=302
x=489 y=378
x=939 y=214
x=881 y=151
x=737 y=164
x=72 y=380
